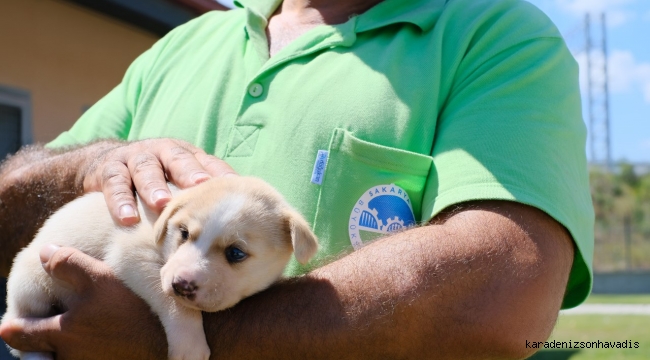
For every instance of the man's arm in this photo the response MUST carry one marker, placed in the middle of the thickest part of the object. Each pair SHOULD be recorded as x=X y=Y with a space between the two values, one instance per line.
x=33 y=184
x=476 y=284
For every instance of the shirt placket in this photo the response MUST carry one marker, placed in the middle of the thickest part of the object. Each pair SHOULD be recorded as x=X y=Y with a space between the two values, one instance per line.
x=246 y=130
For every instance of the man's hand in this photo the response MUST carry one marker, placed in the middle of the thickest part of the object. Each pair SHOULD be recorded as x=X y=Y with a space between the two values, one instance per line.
x=147 y=166
x=101 y=318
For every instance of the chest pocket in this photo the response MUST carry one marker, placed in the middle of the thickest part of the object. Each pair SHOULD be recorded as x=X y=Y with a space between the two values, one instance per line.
x=367 y=191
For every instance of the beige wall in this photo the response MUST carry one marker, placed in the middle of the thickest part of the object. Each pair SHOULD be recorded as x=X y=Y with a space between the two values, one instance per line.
x=65 y=55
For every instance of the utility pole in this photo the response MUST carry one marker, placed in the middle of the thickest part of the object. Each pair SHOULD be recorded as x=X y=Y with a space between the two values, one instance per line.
x=598 y=97
x=608 y=142
x=590 y=97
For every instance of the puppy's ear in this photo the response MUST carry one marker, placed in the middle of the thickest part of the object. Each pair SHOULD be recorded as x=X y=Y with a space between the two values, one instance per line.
x=305 y=244
x=160 y=227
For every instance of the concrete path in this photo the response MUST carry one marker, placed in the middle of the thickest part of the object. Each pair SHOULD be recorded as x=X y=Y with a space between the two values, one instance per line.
x=609 y=309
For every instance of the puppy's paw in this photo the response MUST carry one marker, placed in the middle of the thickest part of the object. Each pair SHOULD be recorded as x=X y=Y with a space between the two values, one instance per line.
x=185 y=335
x=191 y=349
x=33 y=355
x=187 y=347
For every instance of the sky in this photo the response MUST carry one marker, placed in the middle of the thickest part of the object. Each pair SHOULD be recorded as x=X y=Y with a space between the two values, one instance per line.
x=228 y=3
x=628 y=37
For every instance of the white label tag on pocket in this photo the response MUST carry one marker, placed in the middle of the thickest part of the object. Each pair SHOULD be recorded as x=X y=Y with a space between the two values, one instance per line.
x=319 y=167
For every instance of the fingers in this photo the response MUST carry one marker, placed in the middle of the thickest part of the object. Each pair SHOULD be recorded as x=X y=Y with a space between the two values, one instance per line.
x=182 y=167
x=146 y=167
x=72 y=266
x=31 y=334
x=116 y=182
x=149 y=179
x=215 y=166
x=212 y=164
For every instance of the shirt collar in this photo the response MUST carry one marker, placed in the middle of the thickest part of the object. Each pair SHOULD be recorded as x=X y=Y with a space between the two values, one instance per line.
x=422 y=13
x=263 y=8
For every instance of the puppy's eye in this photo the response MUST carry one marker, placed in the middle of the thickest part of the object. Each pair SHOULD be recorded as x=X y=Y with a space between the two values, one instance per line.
x=185 y=234
x=235 y=255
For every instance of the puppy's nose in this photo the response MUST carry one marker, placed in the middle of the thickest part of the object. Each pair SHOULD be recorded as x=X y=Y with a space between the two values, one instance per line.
x=184 y=288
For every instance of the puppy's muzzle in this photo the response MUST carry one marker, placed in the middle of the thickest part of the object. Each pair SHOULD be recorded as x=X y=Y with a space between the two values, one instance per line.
x=184 y=288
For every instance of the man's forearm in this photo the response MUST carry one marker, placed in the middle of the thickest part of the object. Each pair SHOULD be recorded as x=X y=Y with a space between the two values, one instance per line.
x=447 y=291
x=33 y=184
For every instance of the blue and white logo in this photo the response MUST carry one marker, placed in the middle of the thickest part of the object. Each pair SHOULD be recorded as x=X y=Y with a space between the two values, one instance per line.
x=381 y=210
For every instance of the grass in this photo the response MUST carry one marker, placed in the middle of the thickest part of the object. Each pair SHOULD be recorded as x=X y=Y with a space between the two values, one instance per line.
x=618 y=299
x=612 y=328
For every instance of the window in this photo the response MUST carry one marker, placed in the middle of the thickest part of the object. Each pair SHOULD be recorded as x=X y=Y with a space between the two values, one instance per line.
x=9 y=130
x=15 y=120
x=15 y=131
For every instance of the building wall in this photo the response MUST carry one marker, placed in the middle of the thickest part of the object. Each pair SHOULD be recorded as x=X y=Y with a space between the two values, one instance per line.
x=65 y=55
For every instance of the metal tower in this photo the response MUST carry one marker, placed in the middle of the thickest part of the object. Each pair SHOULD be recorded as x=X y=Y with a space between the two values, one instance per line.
x=598 y=97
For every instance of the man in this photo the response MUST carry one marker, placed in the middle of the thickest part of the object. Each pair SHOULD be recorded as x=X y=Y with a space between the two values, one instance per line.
x=369 y=116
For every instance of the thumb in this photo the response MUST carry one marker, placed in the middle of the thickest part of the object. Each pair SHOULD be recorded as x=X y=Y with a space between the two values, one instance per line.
x=31 y=334
x=72 y=266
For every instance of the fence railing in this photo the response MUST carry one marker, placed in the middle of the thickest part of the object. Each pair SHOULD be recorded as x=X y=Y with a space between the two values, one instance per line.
x=621 y=246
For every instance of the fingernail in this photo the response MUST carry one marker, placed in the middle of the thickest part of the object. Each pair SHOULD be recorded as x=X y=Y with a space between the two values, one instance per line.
x=200 y=177
x=127 y=211
x=230 y=175
x=46 y=252
x=159 y=195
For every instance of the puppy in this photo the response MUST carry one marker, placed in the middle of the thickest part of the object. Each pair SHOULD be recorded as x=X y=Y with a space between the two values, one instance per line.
x=213 y=245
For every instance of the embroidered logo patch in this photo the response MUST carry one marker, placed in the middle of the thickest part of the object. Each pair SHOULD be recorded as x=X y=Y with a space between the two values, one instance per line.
x=381 y=210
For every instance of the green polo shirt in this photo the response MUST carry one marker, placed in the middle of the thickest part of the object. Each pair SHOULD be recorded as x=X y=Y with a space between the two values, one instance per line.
x=378 y=123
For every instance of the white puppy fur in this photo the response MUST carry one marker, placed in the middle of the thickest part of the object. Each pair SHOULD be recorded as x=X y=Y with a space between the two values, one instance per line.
x=213 y=245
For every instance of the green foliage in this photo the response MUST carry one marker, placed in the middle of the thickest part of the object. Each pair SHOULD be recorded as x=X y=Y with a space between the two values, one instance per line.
x=622 y=207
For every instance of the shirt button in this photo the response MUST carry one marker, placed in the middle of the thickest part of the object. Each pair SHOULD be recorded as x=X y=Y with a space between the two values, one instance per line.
x=255 y=90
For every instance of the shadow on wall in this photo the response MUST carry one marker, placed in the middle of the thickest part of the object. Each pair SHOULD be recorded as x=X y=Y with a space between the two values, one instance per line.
x=554 y=355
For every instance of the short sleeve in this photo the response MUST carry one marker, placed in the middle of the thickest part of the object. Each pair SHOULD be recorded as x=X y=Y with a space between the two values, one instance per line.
x=511 y=129
x=111 y=117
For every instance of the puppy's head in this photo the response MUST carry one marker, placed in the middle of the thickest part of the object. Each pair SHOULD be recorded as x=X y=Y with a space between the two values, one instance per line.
x=226 y=239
